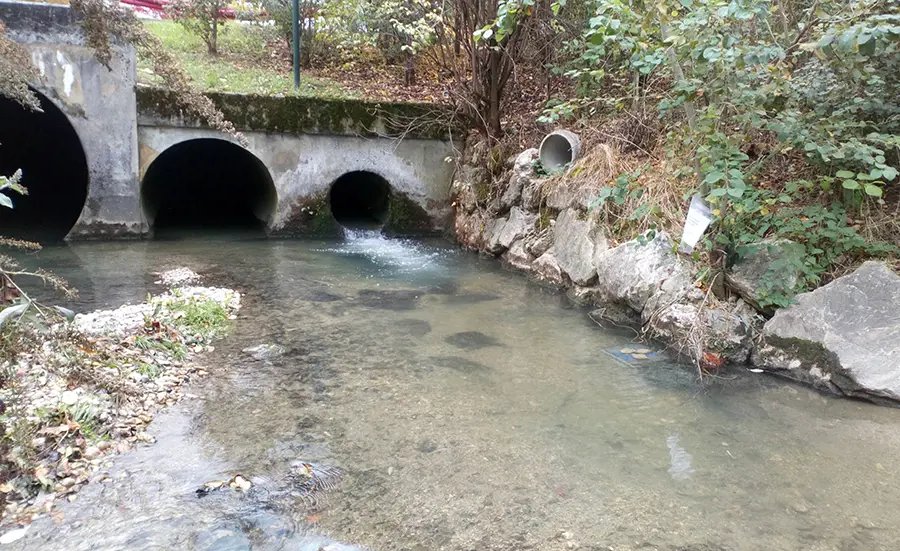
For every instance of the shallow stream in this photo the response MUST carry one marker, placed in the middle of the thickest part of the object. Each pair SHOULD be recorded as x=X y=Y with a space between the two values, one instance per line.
x=471 y=410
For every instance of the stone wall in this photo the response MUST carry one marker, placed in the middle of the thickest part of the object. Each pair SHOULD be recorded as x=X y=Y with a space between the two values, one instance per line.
x=843 y=338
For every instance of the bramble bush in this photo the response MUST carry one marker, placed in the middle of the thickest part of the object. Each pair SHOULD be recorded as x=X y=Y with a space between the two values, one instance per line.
x=742 y=84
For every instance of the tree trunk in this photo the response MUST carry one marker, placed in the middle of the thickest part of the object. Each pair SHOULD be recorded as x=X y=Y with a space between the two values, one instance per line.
x=214 y=36
x=494 y=109
x=409 y=76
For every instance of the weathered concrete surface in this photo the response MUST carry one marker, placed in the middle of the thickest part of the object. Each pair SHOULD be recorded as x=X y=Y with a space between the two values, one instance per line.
x=304 y=166
x=305 y=143
x=844 y=336
x=100 y=105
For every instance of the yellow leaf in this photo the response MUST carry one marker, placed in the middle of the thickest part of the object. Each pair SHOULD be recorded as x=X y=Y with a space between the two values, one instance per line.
x=764 y=211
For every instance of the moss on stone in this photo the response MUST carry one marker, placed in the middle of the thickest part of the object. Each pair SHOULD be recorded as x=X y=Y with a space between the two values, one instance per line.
x=405 y=216
x=310 y=216
x=289 y=114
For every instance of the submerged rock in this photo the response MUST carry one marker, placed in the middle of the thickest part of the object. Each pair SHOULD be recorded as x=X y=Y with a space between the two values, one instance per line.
x=318 y=295
x=471 y=298
x=471 y=340
x=575 y=243
x=397 y=300
x=414 y=327
x=844 y=336
x=265 y=351
x=462 y=365
x=767 y=268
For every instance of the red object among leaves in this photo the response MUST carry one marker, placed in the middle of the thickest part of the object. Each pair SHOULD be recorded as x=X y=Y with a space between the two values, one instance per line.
x=712 y=360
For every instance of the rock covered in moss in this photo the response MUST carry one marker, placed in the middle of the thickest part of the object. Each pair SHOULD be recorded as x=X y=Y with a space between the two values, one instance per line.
x=844 y=336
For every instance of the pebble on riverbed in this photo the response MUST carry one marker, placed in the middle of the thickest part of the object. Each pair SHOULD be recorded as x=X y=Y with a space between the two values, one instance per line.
x=83 y=391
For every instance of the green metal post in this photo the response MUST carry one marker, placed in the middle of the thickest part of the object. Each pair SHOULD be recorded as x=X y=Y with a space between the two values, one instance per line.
x=296 y=43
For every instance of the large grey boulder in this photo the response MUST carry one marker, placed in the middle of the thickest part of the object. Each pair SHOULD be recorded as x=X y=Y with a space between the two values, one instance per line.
x=844 y=336
x=519 y=225
x=522 y=175
x=546 y=269
x=493 y=230
x=517 y=257
x=575 y=243
x=767 y=270
x=636 y=270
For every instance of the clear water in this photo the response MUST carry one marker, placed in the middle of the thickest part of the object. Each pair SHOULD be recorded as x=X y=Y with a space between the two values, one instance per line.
x=523 y=435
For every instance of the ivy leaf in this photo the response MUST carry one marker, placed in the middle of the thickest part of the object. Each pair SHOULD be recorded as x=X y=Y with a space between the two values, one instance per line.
x=845 y=174
x=872 y=190
x=850 y=184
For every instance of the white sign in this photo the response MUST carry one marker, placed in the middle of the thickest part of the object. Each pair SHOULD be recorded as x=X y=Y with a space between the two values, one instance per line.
x=698 y=219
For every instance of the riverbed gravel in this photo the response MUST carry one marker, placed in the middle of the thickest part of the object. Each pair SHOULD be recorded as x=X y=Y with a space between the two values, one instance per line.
x=84 y=391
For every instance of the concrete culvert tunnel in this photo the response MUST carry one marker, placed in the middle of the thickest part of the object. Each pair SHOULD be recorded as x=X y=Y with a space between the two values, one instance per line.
x=208 y=184
x=359 y=200
x=54 y=170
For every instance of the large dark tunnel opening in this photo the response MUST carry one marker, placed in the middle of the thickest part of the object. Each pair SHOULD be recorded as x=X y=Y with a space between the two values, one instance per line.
x=208 y=184
x=360 y=200
x=54 y=171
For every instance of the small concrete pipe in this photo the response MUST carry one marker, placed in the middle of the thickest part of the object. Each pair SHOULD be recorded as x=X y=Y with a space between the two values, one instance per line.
x=558 y=150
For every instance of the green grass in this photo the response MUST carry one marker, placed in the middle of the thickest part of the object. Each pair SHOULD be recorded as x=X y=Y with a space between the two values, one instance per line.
x=206 y=319
x=242 y=65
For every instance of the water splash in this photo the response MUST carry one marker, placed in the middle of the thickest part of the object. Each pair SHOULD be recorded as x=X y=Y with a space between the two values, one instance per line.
x=401 y=255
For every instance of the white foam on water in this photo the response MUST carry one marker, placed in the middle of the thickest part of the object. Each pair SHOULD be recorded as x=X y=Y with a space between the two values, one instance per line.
x=400 y=254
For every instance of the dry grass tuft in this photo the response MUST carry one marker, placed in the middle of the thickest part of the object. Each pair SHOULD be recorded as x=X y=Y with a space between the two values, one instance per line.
x=594 y=170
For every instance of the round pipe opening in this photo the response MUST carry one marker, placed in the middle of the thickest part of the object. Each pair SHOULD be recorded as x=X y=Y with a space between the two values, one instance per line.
x=558 y=150
x=45 y=146
x=208 y=183
x=359 y=200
